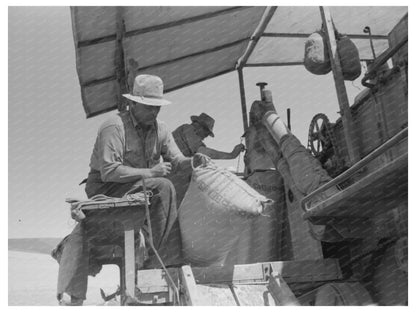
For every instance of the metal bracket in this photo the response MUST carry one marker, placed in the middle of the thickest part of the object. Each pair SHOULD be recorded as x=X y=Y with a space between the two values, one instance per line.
x=267 y=271
x=281 y=292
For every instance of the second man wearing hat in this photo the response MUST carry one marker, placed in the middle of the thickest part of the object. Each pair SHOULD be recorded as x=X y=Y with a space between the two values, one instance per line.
x=189 y=138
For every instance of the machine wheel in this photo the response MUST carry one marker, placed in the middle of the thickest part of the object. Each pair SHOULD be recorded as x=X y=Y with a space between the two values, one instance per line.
x=342 y=294
x=320 y=138
x=323 y=145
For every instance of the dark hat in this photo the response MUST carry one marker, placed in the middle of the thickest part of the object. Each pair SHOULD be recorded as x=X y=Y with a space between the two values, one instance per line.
x=206 y=121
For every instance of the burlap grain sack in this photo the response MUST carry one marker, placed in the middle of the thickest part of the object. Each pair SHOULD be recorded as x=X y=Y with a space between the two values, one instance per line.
x=316 y=58
x=215 y=210
x=349 y=58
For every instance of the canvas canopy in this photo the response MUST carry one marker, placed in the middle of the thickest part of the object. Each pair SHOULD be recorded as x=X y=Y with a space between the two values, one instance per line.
x=186 y=45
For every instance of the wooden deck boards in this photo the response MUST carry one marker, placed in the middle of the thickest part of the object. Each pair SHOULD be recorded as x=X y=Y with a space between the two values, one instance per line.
x=245 y=285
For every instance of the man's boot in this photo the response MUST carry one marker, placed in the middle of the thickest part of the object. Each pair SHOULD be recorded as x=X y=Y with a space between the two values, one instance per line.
x=74 y=301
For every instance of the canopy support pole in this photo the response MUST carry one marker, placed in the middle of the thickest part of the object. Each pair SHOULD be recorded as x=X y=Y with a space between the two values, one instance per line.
x=243 y=98
x=267 y=16
x=345 y=111
x=119 y=60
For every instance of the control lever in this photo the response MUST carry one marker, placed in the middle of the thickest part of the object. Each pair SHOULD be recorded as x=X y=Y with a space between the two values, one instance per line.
x=367 y=30
x=261 y=85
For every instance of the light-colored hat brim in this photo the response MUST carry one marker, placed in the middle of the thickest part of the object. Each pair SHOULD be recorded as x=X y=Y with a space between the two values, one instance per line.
x=147 y=101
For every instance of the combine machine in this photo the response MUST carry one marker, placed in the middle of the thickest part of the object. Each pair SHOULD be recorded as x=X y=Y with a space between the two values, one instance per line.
x=281 y=259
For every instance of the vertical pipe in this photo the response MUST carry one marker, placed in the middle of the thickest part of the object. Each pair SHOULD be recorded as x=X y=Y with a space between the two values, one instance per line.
x=339 y=85
x=243 y=98
x=288 y=119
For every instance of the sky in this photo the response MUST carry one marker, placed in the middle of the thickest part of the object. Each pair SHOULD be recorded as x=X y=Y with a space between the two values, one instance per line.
x=50 y=140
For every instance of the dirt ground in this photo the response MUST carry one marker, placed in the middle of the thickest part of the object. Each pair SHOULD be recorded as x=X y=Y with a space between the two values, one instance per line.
x=33 y=279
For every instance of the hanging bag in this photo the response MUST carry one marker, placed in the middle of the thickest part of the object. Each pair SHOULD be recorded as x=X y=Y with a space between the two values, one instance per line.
x=349 y=57
x=316 y=58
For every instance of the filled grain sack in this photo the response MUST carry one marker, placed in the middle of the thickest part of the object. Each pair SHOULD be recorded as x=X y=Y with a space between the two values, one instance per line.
x=349 y=58
x=316 y=58
x=215 y=210
x=263 y=239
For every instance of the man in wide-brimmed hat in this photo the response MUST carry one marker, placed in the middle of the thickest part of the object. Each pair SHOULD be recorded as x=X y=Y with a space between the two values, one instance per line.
x=189 y=138
x=128 y=148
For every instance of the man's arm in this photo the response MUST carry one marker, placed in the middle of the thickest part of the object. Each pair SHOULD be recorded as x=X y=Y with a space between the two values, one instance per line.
x=171 y=151
x=215 y=154
x=181 y=163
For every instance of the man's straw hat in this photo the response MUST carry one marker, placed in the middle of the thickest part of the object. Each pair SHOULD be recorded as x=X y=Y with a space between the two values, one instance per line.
x=148 y=90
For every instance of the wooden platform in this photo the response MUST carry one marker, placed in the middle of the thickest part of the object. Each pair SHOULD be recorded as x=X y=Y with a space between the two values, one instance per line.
x=110 y=228
x=245 y=285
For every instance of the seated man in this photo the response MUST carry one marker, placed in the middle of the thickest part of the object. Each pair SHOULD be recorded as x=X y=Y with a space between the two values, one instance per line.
x=128 y=149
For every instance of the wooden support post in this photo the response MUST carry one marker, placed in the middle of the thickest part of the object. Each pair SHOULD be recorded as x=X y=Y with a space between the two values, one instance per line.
x=119 y=60
x=191 y=295
x=345 y=112
x=281 y=292
x=129 y=260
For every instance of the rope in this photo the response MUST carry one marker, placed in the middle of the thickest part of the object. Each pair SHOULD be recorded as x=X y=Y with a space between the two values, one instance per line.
x=77 y=205
x=149 y=227
x=239 y=156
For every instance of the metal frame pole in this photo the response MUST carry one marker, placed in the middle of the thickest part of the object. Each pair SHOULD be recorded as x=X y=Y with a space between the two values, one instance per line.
x=345 y=111
x=267 y=16
x=243 y=98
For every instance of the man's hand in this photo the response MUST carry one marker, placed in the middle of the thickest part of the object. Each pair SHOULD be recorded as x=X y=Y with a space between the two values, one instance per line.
x=200 y=159
x=161 y=169
x=238 y=149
